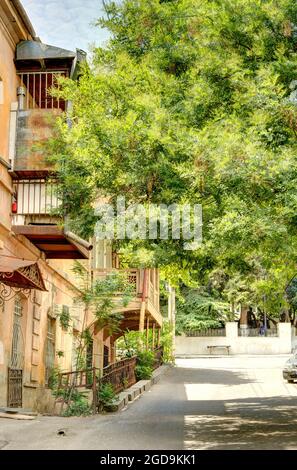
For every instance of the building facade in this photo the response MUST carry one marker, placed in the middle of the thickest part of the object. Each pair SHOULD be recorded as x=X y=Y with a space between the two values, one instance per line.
x=37 y=251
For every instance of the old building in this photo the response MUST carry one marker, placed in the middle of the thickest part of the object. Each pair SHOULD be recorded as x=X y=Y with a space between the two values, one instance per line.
x=37 y=250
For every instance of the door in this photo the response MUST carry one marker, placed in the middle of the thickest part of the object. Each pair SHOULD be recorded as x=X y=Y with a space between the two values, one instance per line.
x=106 y=356
x=15 y=369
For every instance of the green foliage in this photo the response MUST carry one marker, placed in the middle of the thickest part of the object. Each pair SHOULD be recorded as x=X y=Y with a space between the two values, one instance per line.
x=76 y=401
x=60 y=353
x=78 y=408
x=291 y=293
x=198 y=311
x=107 y=397
x=193 y=101
x=54 y=378
x=166 y=341
x=143 y=372
x=129 y=344
x=104 y=300
x=77 y=404
x=64 y=318
x=145 y=363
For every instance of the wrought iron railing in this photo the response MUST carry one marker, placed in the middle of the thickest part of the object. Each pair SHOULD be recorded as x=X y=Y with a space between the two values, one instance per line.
x=78 y=378
x=38 y=86
x=207 y=332
x=120 y=375
x=35 y=197
x=258 y=332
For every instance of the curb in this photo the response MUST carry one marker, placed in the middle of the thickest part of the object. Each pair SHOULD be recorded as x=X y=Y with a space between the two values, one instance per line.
x=134 y=392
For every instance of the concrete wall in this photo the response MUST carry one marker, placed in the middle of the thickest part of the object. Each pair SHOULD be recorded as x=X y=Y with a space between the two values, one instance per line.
x=282 y=344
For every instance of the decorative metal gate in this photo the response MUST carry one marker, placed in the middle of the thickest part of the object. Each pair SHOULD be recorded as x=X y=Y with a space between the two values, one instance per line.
x=15 y=388
x=15 y=371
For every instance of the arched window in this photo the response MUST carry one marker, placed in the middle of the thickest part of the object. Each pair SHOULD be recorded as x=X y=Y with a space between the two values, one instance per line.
x=1 y=91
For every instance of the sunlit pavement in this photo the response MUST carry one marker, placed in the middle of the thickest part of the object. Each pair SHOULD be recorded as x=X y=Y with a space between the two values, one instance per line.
x=236 y=402
x=239 y=403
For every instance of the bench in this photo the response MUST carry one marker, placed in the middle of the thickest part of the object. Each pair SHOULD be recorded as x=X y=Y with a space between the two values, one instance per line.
x=211 y=348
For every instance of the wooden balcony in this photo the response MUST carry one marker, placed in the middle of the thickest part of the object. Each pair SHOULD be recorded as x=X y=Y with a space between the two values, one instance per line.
x=145 y=284
x=34 y=217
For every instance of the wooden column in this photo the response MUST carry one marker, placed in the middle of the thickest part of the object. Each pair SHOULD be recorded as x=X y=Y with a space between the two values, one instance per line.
x=141 y=317
x=154 y=335
x=147 y=331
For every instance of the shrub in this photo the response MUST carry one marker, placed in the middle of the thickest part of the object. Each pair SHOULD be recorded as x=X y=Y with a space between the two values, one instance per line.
x=145 y=365
x=107 y=397
x=143 y=372
x=78 y=406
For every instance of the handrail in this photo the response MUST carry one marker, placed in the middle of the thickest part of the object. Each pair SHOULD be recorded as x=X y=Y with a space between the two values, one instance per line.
x=120 y=374
x=80 y=378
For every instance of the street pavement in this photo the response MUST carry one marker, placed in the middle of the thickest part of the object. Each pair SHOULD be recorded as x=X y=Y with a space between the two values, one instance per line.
x=235 y=402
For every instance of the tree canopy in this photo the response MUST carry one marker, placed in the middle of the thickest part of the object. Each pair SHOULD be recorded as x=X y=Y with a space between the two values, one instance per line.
x=194 y=101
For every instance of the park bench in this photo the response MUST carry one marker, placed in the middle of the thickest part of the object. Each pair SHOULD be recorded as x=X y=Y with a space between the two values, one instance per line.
x=211 y=348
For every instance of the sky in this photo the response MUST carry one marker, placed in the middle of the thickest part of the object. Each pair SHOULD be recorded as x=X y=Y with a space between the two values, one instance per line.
x=66 y=23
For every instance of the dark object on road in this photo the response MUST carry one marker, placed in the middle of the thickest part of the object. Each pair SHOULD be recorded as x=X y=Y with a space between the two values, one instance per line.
x=290 y=369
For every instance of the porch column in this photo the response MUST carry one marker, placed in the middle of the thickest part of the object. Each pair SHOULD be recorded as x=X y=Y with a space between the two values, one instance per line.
x=154 y=335
x=159 y=336
x=147 y=331
x=112 y=350
x=141 y=317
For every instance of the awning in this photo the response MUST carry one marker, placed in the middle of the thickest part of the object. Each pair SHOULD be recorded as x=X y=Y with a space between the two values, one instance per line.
x=20 y=273
x=33 y=50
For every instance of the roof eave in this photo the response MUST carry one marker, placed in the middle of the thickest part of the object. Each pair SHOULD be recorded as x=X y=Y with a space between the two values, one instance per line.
x=23 y=15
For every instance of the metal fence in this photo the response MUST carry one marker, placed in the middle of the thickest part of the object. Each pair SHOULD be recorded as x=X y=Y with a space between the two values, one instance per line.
x=207 y=332
x=258 y=332
x=36 y=197
x=38 y=86
x=121 y=374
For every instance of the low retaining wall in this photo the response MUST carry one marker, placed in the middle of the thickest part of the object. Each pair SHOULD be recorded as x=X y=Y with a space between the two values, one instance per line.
x=282 y=344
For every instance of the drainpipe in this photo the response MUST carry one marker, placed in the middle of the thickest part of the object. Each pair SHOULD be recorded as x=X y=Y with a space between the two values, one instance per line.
x=21 y=94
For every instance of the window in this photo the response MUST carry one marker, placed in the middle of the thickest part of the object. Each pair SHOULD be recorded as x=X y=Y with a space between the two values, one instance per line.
x=17 y=350
x=1 y=91
x=50 y=348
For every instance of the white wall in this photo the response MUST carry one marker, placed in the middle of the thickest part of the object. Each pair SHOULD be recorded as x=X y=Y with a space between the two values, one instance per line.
x=282 y=344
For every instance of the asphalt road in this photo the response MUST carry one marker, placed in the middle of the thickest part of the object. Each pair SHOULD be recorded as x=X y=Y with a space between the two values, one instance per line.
x=205 y=403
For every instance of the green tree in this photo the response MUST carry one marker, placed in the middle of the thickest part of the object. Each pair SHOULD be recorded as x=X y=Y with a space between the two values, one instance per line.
x=198 y=310
x=194 y=101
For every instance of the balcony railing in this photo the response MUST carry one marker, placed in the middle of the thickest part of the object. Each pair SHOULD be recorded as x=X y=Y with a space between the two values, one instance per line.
x=136 y=279
x=37 y=88
x=120 y=375
x=35 y=197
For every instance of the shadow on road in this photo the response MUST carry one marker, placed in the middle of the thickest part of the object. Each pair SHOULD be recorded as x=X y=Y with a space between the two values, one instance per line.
x=209 y=376
x=256 y=423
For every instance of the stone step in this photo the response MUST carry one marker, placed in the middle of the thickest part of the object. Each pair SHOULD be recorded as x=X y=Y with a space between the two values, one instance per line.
x=22 y=411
